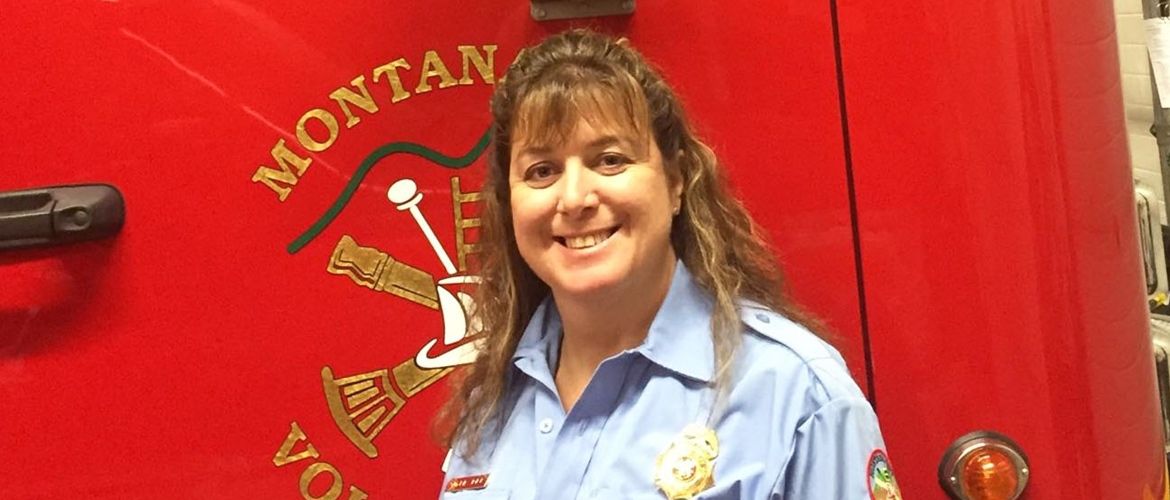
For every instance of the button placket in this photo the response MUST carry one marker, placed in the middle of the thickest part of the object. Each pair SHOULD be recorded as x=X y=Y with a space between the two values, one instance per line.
x=548 y=417
x=576 y=441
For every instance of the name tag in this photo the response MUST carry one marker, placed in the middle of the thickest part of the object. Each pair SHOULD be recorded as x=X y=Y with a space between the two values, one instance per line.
x=467 y=483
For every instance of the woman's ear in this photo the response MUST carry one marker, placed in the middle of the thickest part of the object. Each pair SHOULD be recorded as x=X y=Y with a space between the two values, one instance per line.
x=676 y=181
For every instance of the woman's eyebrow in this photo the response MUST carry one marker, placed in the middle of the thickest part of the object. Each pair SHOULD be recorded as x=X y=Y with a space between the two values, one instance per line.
x=598 y=143
x=603 y=142
x=534 y=151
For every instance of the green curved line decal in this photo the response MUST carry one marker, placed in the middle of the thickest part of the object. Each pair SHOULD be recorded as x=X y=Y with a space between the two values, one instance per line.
x=368 y=164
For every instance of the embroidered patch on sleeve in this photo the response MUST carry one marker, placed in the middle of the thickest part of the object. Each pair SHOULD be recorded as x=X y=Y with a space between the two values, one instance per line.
x=882 y=485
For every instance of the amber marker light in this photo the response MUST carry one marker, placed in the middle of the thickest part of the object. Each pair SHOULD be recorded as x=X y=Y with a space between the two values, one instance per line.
x=984 y=465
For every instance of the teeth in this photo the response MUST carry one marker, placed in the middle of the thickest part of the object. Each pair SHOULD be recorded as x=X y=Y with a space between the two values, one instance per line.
x=586 y=241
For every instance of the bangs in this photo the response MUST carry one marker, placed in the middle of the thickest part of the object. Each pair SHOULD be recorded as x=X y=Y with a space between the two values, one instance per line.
x=549 y=113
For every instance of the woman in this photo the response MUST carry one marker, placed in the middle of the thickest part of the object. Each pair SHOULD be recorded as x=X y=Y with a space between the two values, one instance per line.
x=636 y=344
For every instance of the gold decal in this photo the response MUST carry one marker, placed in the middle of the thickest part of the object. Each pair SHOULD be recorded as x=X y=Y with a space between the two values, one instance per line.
x=345 y=96
x=334 y=491
x=350 y=389
x=391 y=72
x=283 y=156
x=363 y=405
x=433 y=66
x=462 y=223
x=378 y=271
x=363 y=418
x=295 y=435
x=413 y=379
x=291 y=166
x=484 y=64
x=307 y=140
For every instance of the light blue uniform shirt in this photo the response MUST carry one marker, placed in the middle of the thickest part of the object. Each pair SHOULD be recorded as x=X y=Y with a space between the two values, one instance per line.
x=795 y=425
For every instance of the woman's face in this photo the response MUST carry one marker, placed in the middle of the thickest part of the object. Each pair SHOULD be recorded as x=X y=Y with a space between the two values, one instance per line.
x=593 y=214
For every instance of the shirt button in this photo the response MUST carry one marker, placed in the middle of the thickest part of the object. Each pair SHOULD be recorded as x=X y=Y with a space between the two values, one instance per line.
x=763 y=317
x=546 y=426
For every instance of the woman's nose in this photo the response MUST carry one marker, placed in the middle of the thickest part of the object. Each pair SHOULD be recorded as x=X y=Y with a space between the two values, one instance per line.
x=578 y=190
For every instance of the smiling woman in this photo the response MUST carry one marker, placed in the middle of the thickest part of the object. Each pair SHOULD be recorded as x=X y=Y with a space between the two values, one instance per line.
x=638 y=344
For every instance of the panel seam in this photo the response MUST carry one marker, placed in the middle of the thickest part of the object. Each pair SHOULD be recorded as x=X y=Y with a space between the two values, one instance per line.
x=853 y=218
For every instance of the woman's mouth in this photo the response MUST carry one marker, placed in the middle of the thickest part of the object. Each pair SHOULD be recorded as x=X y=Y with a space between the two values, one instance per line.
x=587 y=240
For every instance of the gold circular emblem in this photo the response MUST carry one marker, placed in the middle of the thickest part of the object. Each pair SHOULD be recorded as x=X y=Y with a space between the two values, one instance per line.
x=686 y=468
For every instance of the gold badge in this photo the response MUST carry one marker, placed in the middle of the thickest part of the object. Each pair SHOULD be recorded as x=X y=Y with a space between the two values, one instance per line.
x=686 y=468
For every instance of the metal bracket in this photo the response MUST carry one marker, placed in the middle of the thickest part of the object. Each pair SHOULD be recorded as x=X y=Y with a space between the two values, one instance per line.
x=551 y=10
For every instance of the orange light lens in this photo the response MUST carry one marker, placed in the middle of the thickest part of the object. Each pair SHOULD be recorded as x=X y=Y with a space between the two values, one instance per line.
x=989 y=474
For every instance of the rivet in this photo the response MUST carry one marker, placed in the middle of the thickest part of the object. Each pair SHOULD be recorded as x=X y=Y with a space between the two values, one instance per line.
x=538 y=13
x=763 y=317
x=81 y=217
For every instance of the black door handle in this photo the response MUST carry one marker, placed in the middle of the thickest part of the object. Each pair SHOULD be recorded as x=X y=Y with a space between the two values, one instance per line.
x=60 y=215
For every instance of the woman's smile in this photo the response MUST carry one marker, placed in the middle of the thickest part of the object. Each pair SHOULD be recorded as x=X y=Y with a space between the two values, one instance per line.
x=586 y=240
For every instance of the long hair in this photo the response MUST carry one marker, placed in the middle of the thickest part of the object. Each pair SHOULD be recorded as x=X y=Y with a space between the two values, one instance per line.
x=583 y=74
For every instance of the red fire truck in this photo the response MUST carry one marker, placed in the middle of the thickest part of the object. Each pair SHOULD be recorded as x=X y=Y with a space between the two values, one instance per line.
x=236 y=232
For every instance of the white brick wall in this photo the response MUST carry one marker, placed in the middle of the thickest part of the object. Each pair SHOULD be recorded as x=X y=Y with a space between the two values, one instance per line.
x=1139 y=100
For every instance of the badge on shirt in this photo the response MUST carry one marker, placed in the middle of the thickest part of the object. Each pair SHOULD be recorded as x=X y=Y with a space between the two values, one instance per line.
x=467 y=483
x=882 y=485
x=686 y=468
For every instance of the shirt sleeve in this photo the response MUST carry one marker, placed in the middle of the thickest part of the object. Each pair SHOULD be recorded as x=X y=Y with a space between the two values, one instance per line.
x=835 y=452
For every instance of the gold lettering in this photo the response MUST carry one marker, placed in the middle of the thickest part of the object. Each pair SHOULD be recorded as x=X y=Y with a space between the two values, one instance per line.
x=307 y=140
x=391 y=72
x=295 y=435
x=334 y=491
x=343 y=96
x=432 y=67
x=269 y=176
x=485 y=64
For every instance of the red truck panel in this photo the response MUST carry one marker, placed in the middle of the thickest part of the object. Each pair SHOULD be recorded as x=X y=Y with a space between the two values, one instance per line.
x=186 y=357
x=1002 y=278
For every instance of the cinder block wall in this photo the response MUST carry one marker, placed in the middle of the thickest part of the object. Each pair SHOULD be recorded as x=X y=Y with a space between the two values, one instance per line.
x=1139 y=101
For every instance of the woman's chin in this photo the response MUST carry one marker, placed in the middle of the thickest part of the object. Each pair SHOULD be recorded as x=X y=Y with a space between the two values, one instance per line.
x=587 y=286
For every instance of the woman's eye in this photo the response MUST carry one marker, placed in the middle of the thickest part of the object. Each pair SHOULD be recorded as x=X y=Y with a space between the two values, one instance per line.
x=540 y=175
x=612 y=162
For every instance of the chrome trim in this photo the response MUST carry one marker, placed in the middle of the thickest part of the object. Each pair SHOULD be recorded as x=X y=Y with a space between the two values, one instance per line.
x=1160 y=335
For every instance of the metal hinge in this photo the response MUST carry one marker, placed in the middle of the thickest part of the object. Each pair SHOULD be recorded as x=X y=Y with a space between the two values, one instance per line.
x=551 y=10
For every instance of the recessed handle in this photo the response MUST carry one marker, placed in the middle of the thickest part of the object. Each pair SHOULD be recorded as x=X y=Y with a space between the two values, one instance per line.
x=60 y=215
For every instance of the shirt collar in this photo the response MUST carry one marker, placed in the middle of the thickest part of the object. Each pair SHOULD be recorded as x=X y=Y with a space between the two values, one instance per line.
x=679 y=338
x=680 y=335
x=540 y=343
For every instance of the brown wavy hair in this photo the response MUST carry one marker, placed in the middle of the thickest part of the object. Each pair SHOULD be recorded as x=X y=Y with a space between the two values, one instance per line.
x=584 y=74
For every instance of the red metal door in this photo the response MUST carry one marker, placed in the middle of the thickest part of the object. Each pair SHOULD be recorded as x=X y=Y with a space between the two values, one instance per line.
x=256 y=329
x=1002 y=276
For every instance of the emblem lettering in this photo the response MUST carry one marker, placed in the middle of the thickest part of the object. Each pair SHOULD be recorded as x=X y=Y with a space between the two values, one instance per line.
x=484 y=64
x=335 y=484
x=295 y=435
x=284 y=157
x=306 y=140
x=281 y=181
x=433 y=66
x=391 y=72
x=345 y=97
